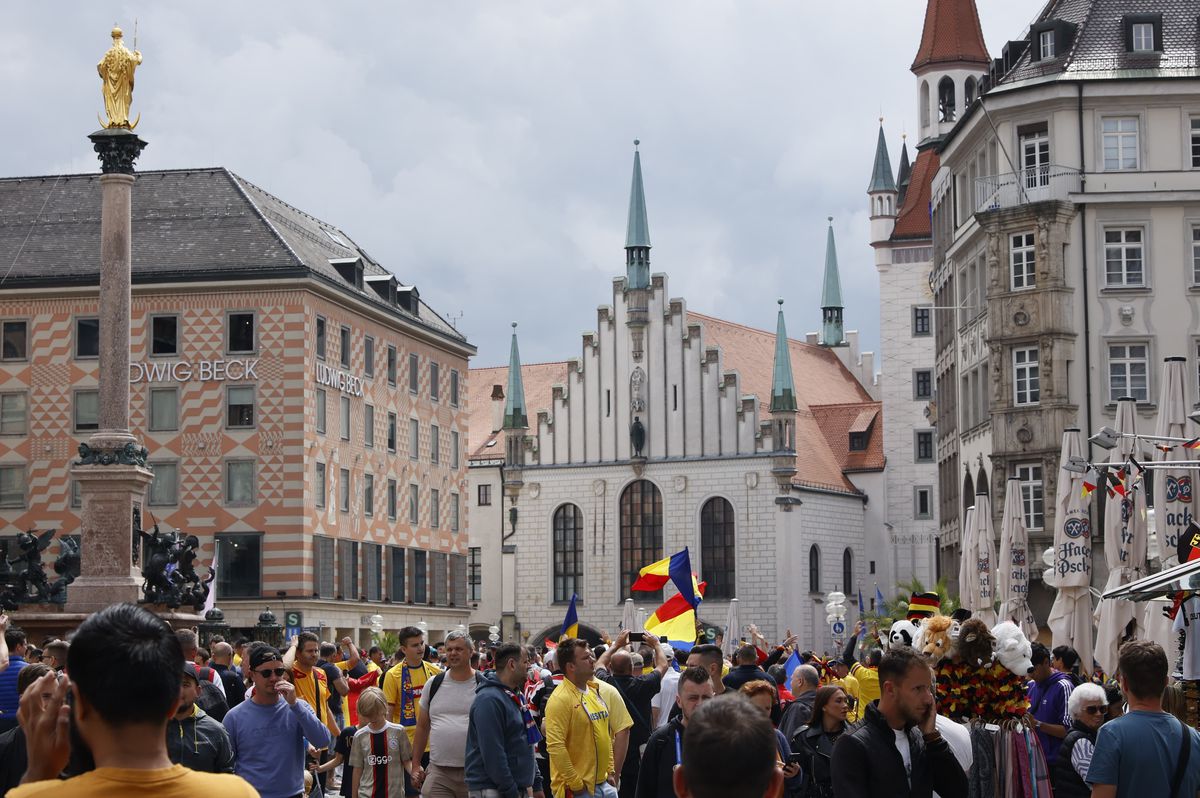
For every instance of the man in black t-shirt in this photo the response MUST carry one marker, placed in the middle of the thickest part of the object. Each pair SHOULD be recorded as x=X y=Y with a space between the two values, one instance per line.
x=615 y=666
x=336 y=680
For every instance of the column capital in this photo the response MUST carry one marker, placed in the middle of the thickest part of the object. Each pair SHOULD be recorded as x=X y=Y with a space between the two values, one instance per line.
x=118 y=148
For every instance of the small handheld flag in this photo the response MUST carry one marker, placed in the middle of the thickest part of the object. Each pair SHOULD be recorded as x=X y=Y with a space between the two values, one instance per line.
x=570 y=626
x=862 y=608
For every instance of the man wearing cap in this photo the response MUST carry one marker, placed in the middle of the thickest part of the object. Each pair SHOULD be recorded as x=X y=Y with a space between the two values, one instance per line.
x=846 y=680
x=268 y=732
x=194 y=739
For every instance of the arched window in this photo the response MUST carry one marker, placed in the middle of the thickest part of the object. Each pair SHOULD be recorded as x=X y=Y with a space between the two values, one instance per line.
x=847 y=571
x=981 y=482
x=924 y=103
x=568 y=552
x=814 y=569
x=946 y=107
x=641 y=530
x=968 y=494
x=969 y=91
x=716 y=548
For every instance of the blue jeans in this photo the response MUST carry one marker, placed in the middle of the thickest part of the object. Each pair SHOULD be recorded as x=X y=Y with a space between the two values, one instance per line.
x=602 y=790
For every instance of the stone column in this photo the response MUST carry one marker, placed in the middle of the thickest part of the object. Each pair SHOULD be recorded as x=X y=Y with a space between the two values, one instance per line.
x=111 y=468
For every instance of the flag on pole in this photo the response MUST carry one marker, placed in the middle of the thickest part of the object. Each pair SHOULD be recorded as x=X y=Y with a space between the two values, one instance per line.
x=862 y=608
x=677 y=568
x=675 y=620
x=792 y=663
x=879 y=602
x=570 y=626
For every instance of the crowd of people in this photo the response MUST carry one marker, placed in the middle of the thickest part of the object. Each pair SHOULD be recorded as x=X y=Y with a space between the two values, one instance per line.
x=128 y=706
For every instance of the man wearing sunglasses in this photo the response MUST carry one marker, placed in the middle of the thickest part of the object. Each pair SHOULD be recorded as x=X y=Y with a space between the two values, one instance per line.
x=269 y=731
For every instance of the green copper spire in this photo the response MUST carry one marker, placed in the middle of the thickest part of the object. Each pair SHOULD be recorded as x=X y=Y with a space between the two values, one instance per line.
x=881 y=175
x=831 y=295
x=783 y=389
x=637 y=235
x=514 y=401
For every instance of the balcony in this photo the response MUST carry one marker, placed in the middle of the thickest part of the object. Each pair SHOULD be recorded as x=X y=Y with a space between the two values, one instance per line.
x=1036 y=184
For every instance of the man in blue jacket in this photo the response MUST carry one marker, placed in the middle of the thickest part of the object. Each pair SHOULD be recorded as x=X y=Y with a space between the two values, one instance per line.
x=501 y=734
x=1049 y=693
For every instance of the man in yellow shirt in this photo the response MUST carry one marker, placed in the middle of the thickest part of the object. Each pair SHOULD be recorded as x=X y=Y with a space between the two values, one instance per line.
x=310 y=681
x=849 y=683
x=406 y=681
x=866 y=673
x=584 y=725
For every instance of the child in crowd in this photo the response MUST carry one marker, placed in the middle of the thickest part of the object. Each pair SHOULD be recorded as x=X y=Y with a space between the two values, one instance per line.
x=379 y=750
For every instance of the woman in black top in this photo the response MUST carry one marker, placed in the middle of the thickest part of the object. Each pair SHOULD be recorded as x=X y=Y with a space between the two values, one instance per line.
x=814 y=742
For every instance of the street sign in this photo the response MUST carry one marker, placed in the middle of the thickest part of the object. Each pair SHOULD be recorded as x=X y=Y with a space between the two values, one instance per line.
x=293 y=618
x=838 y=628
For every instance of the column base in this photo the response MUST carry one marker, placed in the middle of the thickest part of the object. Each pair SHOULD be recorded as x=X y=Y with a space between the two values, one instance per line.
x=88 y=594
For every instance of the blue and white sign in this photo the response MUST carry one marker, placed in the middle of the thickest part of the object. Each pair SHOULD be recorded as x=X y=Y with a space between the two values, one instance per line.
x=838 y=628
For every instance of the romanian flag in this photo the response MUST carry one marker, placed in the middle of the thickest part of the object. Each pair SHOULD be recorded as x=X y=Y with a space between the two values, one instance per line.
x=570 y=627
x=677 y=568
x=676 y=618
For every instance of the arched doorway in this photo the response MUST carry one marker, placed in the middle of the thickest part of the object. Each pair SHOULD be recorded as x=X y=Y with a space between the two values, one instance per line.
x=588 y=633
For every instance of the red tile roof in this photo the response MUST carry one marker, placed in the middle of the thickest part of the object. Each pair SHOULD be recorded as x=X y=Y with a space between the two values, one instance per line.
x=952 y=35
x=914 y=221
x=538 y=379
x=838 y=421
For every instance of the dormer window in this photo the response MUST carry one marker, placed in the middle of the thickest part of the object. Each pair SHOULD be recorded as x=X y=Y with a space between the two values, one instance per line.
x=1046 y=44
x=858 y=441
x=1143 y=37
x=1143 y=33
x=1051 y=39
x=350 y=269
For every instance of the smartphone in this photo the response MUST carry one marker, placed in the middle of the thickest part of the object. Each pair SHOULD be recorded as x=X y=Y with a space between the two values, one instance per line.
x=637 y=637
x=795 y=759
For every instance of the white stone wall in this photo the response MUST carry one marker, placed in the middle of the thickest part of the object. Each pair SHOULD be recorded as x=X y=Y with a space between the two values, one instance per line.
x=488 y=525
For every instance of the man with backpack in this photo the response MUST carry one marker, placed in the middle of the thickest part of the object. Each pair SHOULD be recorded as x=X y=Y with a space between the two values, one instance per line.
x=212 y=689
x=443 y=722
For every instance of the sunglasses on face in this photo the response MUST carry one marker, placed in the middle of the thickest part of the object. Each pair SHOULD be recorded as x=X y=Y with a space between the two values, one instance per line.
x=1094 y=710
x=266 y=673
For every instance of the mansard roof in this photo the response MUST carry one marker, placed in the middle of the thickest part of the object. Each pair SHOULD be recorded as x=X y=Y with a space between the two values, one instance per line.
x=952 y=35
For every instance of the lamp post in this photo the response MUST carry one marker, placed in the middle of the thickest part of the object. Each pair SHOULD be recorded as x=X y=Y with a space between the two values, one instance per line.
x=268 y=629
x=214 y=624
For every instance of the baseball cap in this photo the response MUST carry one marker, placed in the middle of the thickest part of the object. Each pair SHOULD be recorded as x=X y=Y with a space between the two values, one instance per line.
x=189 y=669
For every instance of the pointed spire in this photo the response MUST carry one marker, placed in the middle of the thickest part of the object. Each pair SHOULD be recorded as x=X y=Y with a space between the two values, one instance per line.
x=881 y=174
x=637 y=234
x=904 y=175
x=831 y=295
x=514 y=403
x=783 y=389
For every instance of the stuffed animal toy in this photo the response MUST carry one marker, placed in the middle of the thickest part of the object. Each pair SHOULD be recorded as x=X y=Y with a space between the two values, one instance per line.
x=974 y=646
x=1013 y=650
x=934 y=638
x=903 y=633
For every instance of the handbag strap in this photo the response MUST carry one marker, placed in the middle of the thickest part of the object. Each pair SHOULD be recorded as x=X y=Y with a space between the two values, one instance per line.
x=1185 y=749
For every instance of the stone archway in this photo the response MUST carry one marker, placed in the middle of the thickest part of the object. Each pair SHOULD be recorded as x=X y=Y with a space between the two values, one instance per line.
x=588 y=633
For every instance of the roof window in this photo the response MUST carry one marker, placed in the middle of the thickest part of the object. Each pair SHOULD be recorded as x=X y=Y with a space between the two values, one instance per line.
x=1143 y=33
x=351 y=270
x=1050 y=39
x=335 y=238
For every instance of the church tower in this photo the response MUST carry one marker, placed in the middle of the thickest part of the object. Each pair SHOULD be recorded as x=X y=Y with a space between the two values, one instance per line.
x=637 y=259
x=950 y=61
x=832 y=329
x=882 y=193
x=516 y=423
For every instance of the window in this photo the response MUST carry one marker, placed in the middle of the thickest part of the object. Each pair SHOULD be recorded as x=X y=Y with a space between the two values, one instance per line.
x=923 y=446
x=391 y=366
x=437 y=578
x=1046 y=43
x=239 y=406
x=321 y=410
x=369 y=356
x=87 y=338
x=568 y=552
x=321 y=338
x=1029 y=477
x=344 y=490
x=922 y=503
x=1021 y=263
x=240 y=336
x=1195 y=142
x=397 y=588
x=848 y=572
x=1127 y=372
x=372 y=557
x=164 y=336
x=164 y=409
x=1196 y=255
x=87 y=411
x=814 y=569
x=14 y=345
x=347 y=569
x=858 y=441
x=369 y=426
x=454 y=519
x=1142 y=37
x=1124 y=258
x=344 y=347
x=391 y=432
x=434 y=388
x=1035 y=154
x=391 y=499
x=435 y=508
x=435 y=447
x=641 y=530
x=923 y=384
x=474 y=574
x=414 y=438
x=458 y=580
x=485 y=496
x=414 y=504
x=14 y=413
x=345 y=417
x=240 y=574
x=1120 y=142
x=12 y=485
x=414 y=376
x=323 y=566
x=240 y=488
x=164 y=490
x=920 y=321
x=1026 y=376
x=368 y=494
x=320 y=487
x=420 y=577
x=717 y=561
x=454 y=387
x=455 y=445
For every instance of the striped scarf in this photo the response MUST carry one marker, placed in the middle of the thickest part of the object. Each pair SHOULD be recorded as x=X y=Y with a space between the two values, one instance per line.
x=531 y=730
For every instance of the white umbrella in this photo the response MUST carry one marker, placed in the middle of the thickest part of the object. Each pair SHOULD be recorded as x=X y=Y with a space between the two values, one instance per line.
x=629 y=616
x=966 y=571
x=1070 y=618
x=1172 y=488
x=1012 y=572
x=1124 y=546
x=982 y=601
x=733 y=628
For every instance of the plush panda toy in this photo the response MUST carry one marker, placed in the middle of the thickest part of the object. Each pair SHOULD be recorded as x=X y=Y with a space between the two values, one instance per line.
x=903 y=633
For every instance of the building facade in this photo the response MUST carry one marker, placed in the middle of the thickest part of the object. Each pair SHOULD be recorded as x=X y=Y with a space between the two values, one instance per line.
x=305 y=413
x=1066 y=230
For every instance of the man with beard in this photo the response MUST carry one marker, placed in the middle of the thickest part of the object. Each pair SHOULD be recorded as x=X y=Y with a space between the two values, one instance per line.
x=664 y=749
x=194 y=739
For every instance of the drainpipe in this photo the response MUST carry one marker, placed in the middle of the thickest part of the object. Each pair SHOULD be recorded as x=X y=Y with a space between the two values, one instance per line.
x=1087 y=297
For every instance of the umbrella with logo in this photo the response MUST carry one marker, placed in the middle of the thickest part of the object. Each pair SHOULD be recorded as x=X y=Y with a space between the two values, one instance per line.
x=733 y=630
x=1124 y=540
x=1173 y=501
x=981 y=560
x=1012 y=572
x=1070 y=619
x=966 y=572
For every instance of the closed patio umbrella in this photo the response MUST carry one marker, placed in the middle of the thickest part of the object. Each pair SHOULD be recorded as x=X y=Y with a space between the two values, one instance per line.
x=1012 y=570
x=733 y=629
x=1172 y=488
x=982 y=600
x=966 y=546
x=1070 y=619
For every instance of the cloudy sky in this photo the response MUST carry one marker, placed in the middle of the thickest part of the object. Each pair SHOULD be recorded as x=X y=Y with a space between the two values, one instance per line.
x=483 y=150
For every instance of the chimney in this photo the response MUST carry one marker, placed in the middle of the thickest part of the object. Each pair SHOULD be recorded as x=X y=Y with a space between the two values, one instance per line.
x=497 y=407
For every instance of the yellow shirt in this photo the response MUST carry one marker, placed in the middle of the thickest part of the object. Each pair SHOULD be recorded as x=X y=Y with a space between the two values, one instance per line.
x=580 y=727
x=868 y=683
x=408 y=707
x=173 y=782
x=854 y=690
x=314 y=688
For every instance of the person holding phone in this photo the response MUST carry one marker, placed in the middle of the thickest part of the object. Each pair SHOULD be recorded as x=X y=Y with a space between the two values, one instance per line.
x=616 y=666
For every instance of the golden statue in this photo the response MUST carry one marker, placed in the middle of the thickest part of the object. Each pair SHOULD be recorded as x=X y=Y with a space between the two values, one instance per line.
x=116 y=76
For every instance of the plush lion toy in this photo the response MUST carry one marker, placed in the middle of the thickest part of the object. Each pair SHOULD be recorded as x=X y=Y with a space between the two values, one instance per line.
x=933 y=639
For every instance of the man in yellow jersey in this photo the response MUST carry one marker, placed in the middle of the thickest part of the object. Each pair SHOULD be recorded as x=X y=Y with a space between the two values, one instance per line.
x=582 y=722
x=405 y=682
x=849 y=683
x=311 y=683
x=867 y=673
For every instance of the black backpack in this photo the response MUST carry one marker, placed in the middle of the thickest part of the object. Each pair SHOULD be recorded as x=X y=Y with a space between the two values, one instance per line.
x=436 y=682
x=211 y=699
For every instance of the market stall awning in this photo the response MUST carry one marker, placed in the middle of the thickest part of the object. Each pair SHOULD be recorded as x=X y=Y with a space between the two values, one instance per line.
x=1169 y=581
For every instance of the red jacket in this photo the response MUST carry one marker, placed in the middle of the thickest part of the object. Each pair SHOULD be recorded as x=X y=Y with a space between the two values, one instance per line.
x=356 y=687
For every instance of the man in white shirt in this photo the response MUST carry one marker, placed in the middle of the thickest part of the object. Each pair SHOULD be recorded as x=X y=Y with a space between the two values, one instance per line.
x=660 y=705
x=443 y=720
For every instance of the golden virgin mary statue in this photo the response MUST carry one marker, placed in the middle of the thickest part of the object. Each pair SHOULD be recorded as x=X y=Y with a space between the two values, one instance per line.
x=116 y=76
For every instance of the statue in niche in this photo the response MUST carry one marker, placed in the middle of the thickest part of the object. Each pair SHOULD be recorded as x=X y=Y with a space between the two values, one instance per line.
x=637 y=436
x=637 y=391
